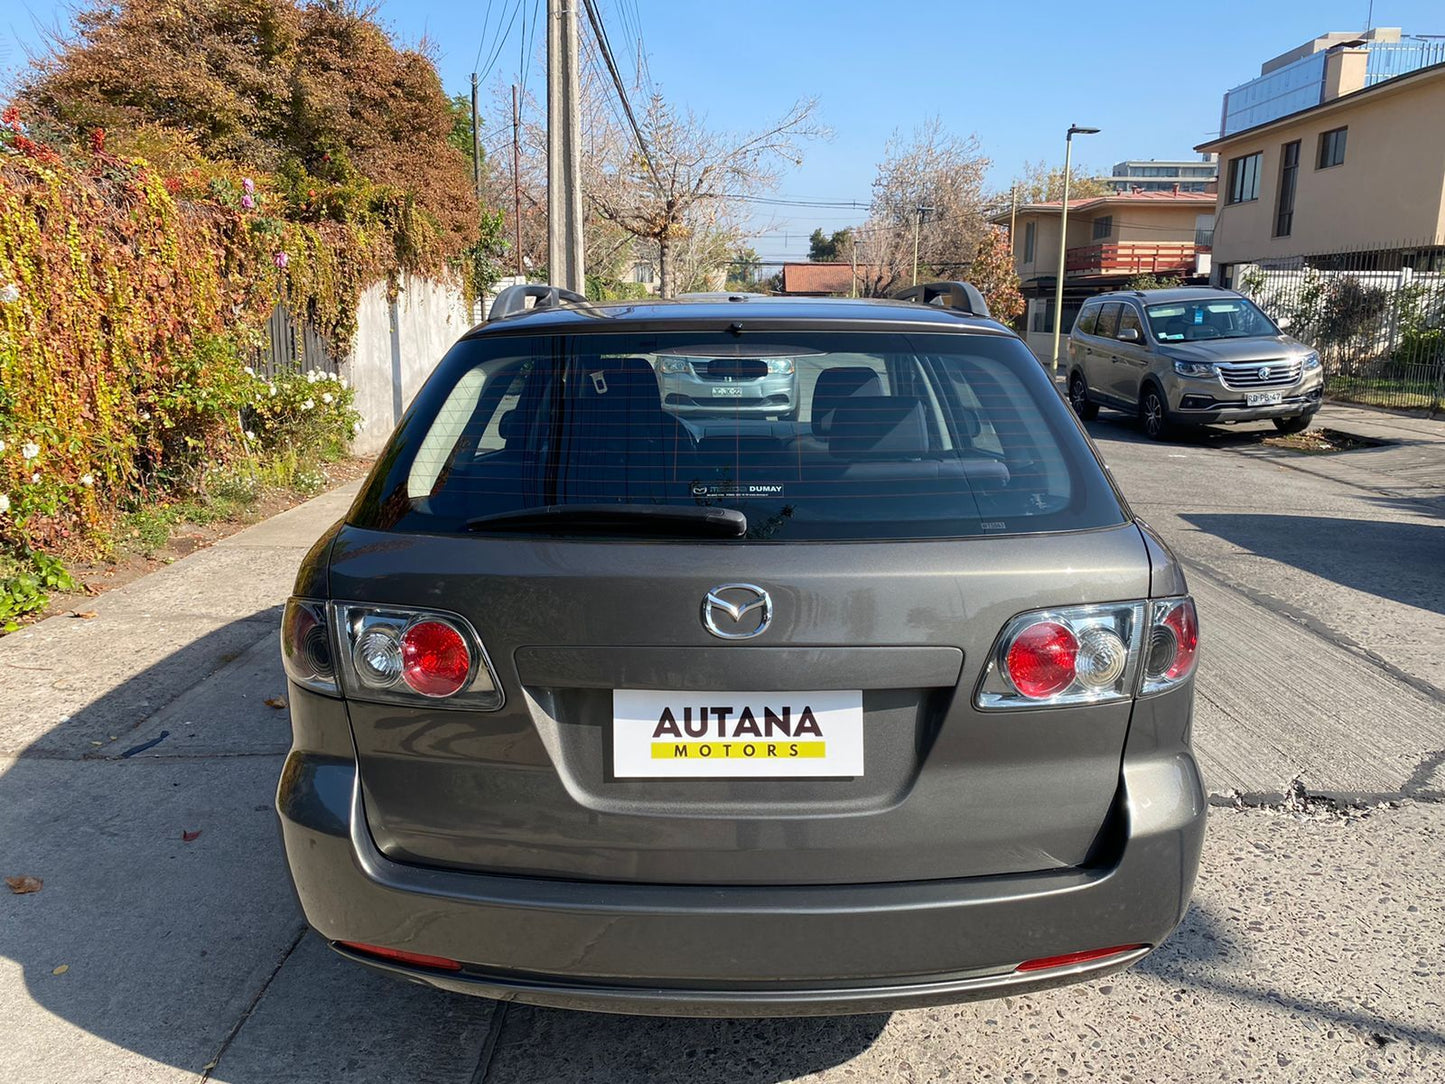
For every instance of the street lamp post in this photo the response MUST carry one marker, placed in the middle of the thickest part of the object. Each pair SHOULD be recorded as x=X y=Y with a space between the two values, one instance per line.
x=1074 y=130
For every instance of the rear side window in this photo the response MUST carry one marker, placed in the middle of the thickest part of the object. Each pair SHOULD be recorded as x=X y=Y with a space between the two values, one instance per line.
x=1087 y=320
x=811 y=435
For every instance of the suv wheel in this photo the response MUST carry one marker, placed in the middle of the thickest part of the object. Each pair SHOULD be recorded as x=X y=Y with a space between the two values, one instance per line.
x=1154 y=414
x=1298 y=424
x=1079 y=398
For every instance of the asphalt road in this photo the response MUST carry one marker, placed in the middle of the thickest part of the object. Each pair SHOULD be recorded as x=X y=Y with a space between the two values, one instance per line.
x=1313 y=951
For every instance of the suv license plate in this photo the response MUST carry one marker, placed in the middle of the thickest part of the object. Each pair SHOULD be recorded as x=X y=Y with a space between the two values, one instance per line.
x=696 y=735
x=1262 y=398
x=727 y=392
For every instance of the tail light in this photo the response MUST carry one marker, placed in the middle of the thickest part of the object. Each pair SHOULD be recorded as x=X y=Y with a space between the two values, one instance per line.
x=388 y=655
x=1173 y=644
x=1090 y=654
x=306 y=646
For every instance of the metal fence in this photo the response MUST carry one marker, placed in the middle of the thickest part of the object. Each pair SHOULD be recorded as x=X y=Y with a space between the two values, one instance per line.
x=290 y=347
x=1376 y=317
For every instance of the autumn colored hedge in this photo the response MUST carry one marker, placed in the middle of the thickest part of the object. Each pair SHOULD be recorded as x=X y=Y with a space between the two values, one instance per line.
x=126 y=314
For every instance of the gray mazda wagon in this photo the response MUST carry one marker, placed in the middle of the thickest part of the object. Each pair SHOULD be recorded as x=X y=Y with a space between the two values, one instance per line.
x=602 y=706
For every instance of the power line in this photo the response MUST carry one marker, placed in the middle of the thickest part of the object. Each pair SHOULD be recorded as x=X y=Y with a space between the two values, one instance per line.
x=496 y=53
x=601 y=35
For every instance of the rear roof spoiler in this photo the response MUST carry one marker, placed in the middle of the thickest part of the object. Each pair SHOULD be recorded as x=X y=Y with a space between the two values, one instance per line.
x=959 y=296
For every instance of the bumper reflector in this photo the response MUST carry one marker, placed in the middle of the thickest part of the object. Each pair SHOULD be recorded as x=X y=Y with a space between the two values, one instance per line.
x=397 y=956
x=1068 y=959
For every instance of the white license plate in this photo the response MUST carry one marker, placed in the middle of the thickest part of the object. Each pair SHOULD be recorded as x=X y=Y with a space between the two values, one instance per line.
x=1263 y=398
x=695 y=735
x=727 y=392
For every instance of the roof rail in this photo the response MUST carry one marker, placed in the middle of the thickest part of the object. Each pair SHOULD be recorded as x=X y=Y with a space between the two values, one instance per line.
x=959 y=296
x=513 y=299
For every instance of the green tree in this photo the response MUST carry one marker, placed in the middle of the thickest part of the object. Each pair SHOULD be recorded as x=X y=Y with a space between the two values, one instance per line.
x=744 y=268
x=825 y=248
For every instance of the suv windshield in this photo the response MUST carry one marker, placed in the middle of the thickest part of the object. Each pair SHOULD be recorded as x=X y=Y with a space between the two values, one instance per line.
x=1208 y=318
x=891 y=436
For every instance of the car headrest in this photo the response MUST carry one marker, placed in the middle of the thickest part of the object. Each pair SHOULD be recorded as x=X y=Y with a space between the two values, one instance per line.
x=837 y=384
x=878 y=427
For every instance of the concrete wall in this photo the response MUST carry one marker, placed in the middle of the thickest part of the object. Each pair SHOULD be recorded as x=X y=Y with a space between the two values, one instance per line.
x=1387 y=191
x=396 y=347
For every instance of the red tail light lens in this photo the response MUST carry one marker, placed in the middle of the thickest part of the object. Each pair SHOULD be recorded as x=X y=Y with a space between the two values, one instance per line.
x=435 y=660
x=1041 y=660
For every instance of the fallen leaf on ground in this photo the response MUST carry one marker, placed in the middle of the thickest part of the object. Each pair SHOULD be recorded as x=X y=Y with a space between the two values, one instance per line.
x=187 y=837
x=85 y=614
x=275 y=702
x=62 y=969
x=24 y=884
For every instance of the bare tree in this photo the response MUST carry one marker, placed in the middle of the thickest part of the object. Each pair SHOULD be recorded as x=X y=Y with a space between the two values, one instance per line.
x=688 y=185
x=1040 y=182
x=932 y=183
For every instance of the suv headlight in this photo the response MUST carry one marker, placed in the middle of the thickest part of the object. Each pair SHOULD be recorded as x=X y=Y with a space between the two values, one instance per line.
x=1195 y=368
x=780 y=365
x=1312 y=360
x=675 y=365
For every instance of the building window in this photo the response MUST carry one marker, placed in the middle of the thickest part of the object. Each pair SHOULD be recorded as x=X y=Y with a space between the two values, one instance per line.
x=1332 y=147
x=1103 y=227
x=1244 y=178
x=642 y=272
x=1029 y=238
x=1288 y=171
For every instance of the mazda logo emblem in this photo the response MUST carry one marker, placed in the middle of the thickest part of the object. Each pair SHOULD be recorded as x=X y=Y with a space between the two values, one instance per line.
x=737 y=611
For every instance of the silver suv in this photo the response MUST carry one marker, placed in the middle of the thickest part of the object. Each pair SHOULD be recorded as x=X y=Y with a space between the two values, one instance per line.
x=885 y=705
x=1185 y=357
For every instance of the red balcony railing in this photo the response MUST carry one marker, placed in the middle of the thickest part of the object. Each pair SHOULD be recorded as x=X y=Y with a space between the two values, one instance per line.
x=1132 y=257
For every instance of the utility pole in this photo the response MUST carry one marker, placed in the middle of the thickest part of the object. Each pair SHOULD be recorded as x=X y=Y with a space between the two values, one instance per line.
x=853 y=290
x=1013 y=211
x=476 y=144
x=564 y=149
x=517 y=176
x=917 y=228
x=477 y=172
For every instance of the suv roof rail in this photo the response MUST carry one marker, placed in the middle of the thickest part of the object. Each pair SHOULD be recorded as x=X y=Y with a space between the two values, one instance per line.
x=959 y=296
x=513 y=299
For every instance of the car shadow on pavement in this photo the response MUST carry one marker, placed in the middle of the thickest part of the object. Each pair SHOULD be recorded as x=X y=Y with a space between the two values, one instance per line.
x=1393 y=560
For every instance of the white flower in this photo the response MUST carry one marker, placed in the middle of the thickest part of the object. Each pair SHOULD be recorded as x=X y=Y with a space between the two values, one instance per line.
x=311 y=376
x=29 y=450
x=87 y=479
x=4 y=503
x=2 y=445
x=270 y=389
x=309 y=404
x=144 y=415
x=9 y=294
x=250 y=435
x=327 y=398
x=250 y=371
x=35 y=477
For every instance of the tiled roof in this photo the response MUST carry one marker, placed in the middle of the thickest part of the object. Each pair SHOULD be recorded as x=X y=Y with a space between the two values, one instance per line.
x=820 y=278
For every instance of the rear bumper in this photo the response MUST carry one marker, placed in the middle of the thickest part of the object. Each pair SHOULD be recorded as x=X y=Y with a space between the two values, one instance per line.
x=696 y=950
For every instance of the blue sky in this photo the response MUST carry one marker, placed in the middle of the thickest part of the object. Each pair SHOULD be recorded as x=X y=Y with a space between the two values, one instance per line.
x=1151 y=75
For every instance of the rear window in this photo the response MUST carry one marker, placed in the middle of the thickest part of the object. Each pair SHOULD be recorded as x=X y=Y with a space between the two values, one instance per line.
x=810 y=435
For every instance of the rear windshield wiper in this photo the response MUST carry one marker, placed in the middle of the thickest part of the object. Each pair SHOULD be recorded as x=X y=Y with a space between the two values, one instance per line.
x=629 y=519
